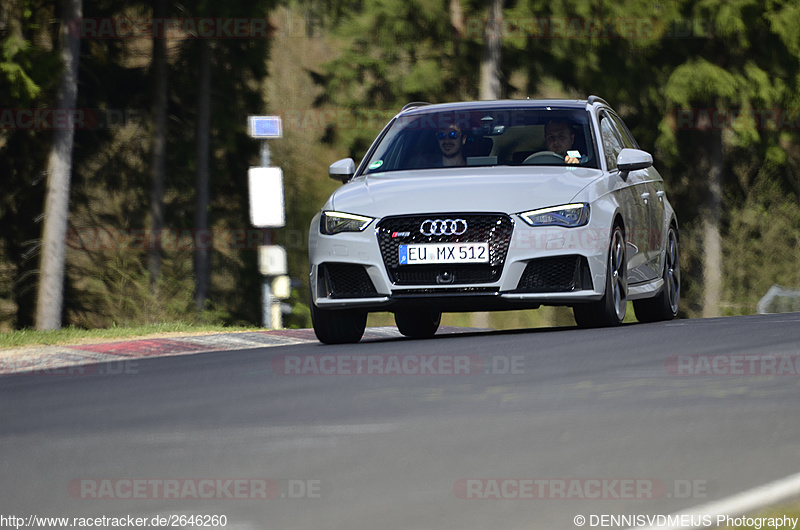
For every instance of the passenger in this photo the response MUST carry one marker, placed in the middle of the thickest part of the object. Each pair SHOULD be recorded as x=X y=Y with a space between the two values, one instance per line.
x=451 y=144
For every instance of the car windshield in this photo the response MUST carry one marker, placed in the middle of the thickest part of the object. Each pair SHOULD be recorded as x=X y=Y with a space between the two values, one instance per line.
x=503 y=136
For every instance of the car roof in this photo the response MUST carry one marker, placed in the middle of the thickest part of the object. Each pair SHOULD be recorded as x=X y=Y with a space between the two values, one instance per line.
x=422 y=107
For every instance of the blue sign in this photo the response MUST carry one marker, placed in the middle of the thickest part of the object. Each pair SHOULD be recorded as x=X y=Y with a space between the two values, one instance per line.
x=266 y=127
x=403 y=254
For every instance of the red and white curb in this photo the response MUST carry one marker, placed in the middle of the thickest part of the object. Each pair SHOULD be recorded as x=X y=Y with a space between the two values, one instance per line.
x=49 y=358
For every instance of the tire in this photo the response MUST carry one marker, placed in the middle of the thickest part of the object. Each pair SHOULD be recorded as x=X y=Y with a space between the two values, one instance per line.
x=609 y=310
x=338 y=326
x=584 y=315
x=665 y=305
x=418 y=324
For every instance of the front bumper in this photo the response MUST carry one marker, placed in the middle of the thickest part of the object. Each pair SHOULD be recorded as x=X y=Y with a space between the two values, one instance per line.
x=540 y=266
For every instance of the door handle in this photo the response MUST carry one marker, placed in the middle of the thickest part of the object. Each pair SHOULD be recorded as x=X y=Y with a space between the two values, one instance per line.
x=646 y=197
x=660 y=195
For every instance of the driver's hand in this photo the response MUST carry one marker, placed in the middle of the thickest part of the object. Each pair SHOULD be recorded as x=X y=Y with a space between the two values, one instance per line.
x=571 y=160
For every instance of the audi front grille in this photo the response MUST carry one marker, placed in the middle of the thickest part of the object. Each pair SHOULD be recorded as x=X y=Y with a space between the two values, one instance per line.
x=494 y=229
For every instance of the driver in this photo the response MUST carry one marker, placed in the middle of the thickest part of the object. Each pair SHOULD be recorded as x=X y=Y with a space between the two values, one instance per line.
x=558 y=137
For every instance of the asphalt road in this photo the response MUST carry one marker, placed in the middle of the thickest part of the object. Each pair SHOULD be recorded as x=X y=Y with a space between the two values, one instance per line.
x=579 y=422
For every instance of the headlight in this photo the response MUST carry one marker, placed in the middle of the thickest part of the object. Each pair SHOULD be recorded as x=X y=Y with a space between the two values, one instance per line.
x=335 y=222
x=568 y=215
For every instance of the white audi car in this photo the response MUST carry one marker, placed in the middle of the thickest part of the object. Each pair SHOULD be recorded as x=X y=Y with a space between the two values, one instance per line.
x=494 y=205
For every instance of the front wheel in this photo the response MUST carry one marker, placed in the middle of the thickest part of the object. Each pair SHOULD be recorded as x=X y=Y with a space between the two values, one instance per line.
x=418 y=324
x=338 y=326
x=609 y=310
x=664 y=306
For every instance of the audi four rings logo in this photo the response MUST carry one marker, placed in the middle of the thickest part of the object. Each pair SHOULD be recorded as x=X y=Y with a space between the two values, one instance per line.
x=443 y=227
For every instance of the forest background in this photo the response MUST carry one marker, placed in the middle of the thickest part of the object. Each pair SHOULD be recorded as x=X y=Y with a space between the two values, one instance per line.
x=164 y=88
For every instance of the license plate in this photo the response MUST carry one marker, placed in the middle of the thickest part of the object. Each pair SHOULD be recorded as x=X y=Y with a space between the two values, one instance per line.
x=432 y=253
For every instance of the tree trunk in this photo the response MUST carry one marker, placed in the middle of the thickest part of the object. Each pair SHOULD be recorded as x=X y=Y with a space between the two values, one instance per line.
x=490 y=87
x=50 y=298
x=158 y=151
x=712 y=239
x=457 y=23
x=202 y=266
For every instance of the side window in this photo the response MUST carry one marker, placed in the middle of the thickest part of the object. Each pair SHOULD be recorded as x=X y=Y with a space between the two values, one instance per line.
x=624 y=133
x=611 y=143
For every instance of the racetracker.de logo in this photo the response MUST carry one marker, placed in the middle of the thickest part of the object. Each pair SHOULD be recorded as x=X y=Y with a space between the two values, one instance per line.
x=575 y=489
x=108 y=238
x=187 y=488
x=590 y=28
x=736 y=364
x=552 y=489
x=48 y=119
x=339 y=118
x=405 y=364
x=194 y=488
x=108 y=368
x=715 y=119
x=578 y=488
x=393 y=365
x=170 y=28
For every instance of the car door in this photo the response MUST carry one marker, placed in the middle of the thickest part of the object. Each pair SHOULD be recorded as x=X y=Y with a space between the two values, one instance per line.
x=653 y=197
x=633 y=197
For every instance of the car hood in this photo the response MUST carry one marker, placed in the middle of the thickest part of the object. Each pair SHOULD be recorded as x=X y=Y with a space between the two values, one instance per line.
x=495 y=189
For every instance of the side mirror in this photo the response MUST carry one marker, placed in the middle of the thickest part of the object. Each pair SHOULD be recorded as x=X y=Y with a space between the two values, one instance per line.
x=342 y=170
x=633 y=159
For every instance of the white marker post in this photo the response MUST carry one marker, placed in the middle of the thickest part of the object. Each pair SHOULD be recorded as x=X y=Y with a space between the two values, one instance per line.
x=267 y=210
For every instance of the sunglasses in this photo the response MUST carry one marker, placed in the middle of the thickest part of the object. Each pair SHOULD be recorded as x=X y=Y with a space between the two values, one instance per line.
x=450 y=134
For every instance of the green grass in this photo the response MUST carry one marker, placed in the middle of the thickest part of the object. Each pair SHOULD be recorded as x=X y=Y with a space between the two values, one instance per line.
x=544 y=317
x=71 y=335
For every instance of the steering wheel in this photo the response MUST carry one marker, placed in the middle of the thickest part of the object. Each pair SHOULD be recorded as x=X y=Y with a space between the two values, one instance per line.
x=543 y=158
